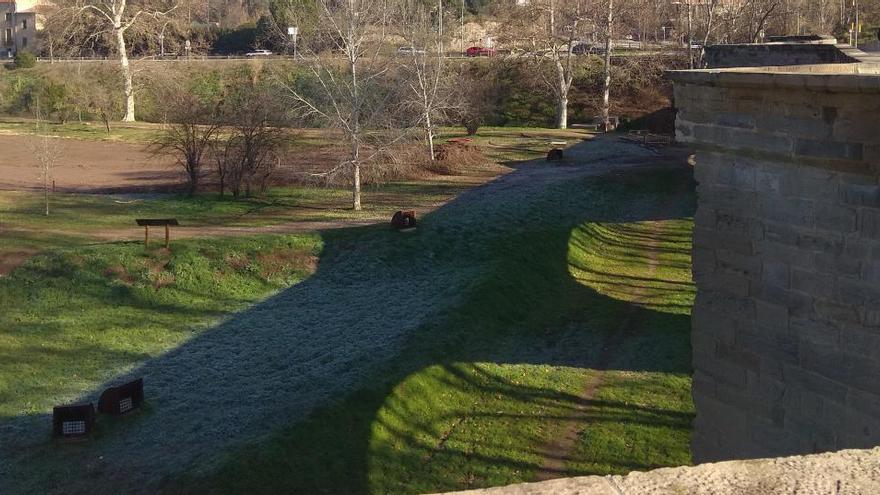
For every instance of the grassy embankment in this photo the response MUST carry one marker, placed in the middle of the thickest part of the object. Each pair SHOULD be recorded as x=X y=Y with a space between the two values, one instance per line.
x=74 y=318
x=87 y=298
x=476 y=398
x=479 y=397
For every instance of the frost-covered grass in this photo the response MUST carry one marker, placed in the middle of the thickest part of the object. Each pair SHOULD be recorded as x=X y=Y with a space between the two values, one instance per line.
x=477 y=396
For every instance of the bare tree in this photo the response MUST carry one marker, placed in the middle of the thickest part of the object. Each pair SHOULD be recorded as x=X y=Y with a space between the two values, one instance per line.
x=552 y=28
x=426 y=74
x=188 y=133
x=247 y=150
x=606 y=74
x=47 y=151
x=349 y=96
x=90 y=21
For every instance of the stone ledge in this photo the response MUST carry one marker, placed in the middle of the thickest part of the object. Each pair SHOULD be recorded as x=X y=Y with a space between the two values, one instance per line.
x=844 y=78
x=847 y=472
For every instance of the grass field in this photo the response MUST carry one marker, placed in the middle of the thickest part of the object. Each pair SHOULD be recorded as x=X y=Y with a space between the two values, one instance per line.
x=537 y=296
x=77 y=219
x=76 y=317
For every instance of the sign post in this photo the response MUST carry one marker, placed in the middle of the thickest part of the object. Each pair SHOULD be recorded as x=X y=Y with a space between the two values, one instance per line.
x=293 y=32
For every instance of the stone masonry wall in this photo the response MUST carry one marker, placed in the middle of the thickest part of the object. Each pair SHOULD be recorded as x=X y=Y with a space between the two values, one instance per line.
x=755 y=55
x=786 y=324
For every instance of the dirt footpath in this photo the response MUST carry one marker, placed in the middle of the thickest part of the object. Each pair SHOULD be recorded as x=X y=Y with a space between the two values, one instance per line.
x=86 y=166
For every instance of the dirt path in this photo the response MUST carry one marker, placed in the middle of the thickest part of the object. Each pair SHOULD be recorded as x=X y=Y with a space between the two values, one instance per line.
x=559 y=452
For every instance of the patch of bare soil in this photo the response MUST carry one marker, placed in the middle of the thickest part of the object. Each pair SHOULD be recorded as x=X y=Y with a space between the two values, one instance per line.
x=13 y=259
x=86 y=166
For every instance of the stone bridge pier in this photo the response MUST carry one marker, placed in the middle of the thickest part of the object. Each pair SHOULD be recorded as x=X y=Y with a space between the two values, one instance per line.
x=786 y=324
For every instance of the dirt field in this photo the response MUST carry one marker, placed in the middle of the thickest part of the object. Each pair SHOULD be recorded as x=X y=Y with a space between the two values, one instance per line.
x=86 y=166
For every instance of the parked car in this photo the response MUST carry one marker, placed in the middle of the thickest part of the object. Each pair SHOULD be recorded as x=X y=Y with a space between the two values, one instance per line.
x=259 y=53
x=479 y=51
x=409 y=50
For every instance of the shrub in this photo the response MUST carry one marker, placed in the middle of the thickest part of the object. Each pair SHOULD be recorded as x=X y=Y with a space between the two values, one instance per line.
x=25 y=60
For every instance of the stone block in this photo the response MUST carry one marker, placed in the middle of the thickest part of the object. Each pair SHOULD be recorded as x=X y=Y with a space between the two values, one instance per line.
x=782 y=233
x=812 y=148
x=726 y=282
x=796 y=212
x=771 y=315
x=748 y=266
x=798 y=303
x=734 y=119
x=711 y=323
x=805 y=127
x=740 y=357
x=826 y=242
x=859 y=194
x=864 y=402
x=869 y=223
x=712 y=239
x=851 y=291
x=841 y=265
x=727 y=221
x=720 y=370
x=811 y=381
x=816 y=331
x=836 y=218
x=776 y=273
x=861 y=340
x=737 y=308
x=814 y=284
x=837 y=312
x=768 y=181
x=853 y=370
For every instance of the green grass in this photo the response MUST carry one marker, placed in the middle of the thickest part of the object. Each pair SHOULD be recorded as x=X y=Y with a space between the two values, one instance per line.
x=86 y=131
x=514 y=144
x=80 y=219
x=73 y=318
x=477 y=396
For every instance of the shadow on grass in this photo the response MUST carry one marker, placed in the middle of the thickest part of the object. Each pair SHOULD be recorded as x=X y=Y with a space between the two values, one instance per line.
x=310 y=372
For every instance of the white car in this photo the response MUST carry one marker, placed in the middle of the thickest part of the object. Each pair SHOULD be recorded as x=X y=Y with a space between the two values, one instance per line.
x=259 y=53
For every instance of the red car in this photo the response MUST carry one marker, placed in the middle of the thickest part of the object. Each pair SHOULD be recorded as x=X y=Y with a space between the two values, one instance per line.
x=479 y=51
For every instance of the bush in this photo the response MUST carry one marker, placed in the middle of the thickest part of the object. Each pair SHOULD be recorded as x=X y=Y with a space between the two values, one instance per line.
x=25 y=60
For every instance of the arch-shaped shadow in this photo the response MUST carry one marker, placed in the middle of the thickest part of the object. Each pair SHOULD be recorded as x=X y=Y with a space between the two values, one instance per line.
x=368 y=317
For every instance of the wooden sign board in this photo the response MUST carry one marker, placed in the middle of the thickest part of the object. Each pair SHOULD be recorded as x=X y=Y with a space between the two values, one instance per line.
x=146 y=223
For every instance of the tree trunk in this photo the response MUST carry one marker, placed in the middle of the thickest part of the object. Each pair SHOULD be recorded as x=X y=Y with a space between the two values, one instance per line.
x=606 y=89
x=355 y=118
x=562 y=113
x=126 y=75
x=429 y=134
x=46 y=181
x=561 y=97
x=356 y=187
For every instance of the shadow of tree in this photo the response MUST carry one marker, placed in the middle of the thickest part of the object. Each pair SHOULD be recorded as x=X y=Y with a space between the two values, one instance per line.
x=292 y=391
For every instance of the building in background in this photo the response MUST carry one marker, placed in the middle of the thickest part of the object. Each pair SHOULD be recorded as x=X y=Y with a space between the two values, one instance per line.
x=18 y=28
